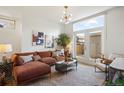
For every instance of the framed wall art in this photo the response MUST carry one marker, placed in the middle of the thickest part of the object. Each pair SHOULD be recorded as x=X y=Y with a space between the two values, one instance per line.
x=49 y=41
x=37 y=38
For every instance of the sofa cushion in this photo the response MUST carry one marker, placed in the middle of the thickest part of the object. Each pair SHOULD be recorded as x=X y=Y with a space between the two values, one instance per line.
x=100 y=65
x=30 y=70
x=36 y=58
x=43 y=54
x=49 y=60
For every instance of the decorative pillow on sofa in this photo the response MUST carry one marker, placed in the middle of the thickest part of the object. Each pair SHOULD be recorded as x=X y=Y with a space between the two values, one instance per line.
x=27 y=58
x=54 y=54
x=36 y=58
x=19 y=61
x=57 y=53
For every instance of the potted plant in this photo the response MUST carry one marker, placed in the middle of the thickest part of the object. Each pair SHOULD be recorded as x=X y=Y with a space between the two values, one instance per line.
x=63 y=40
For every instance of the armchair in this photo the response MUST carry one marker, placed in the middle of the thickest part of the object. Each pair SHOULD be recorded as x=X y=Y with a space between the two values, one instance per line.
x=99 y=61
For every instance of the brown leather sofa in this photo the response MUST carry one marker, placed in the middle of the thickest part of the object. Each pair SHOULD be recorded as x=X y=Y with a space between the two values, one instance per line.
x=27 y=71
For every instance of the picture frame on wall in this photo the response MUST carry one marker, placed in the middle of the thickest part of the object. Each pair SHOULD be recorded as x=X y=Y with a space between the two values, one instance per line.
x=38 y=38
x=7 y=24
x=49 y=41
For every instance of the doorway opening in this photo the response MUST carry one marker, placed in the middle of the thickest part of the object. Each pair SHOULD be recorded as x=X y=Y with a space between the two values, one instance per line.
x=80 y=43
x=95 y=44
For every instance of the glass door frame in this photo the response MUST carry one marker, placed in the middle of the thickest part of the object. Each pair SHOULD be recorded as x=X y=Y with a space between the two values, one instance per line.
x=87 y=41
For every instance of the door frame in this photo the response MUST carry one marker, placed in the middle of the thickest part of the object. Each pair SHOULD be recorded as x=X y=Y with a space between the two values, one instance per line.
x=87 y=40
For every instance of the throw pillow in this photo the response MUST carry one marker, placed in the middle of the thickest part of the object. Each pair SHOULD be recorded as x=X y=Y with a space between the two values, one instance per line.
x=19 y=61
x=27 y=58
x=54 y=54
x=57 y=53
x=36 y=58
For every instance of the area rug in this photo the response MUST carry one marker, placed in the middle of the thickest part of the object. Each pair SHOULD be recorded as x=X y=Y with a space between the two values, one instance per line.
x=83 y=76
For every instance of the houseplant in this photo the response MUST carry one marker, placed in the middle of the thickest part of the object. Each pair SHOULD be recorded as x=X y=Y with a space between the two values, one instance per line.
x=63 y=40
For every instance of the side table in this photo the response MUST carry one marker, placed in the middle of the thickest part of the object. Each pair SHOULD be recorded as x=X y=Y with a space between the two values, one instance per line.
x=107 y=62
x=7 y=69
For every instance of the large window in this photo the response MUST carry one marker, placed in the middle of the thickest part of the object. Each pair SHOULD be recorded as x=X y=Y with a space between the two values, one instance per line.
x=89 y=24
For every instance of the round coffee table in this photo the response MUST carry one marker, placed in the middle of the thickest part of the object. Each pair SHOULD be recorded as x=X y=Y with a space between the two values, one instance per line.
x=63 y=66
x=118 y=66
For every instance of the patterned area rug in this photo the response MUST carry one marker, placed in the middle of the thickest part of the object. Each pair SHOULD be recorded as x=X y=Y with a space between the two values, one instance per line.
x=83 y=76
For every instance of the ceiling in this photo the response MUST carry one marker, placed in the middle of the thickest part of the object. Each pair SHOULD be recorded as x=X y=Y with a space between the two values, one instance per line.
x=53 y=13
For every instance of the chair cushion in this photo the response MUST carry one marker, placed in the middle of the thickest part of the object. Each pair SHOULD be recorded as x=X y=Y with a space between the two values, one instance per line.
x=49 y=60
x=100 y=65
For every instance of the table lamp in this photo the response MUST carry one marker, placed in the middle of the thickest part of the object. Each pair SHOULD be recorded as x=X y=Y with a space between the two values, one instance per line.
x=4 y=49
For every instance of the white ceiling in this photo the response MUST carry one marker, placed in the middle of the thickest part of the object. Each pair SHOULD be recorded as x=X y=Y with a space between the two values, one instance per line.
x=53 y=13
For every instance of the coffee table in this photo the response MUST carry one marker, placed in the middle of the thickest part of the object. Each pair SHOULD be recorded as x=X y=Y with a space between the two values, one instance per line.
x=63 y=66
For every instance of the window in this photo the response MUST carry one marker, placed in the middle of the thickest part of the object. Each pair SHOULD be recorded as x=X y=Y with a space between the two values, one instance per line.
x=7 y=24
x=89 y=24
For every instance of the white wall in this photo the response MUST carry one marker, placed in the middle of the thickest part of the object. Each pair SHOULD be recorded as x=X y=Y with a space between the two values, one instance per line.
x=36 y=23
x=115 y=31
x=69 y=29
x=21 y=38
x=11 y=36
